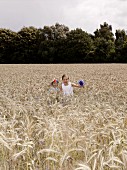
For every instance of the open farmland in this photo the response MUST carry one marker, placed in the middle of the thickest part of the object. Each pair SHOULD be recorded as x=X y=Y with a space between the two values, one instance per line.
x=89 y=132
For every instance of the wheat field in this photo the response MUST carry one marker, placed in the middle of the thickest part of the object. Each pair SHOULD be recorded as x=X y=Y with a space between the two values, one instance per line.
x=86 y=132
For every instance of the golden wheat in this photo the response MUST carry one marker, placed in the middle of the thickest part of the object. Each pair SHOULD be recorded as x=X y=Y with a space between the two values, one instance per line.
x=39 y=131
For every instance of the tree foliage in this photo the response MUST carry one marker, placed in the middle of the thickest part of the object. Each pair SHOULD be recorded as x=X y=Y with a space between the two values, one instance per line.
x=58 y=44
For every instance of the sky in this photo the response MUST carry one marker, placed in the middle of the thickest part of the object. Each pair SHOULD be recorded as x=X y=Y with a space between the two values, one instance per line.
x=85 y=14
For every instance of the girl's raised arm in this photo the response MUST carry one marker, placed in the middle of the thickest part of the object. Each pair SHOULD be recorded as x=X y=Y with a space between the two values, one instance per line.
x=76 y=85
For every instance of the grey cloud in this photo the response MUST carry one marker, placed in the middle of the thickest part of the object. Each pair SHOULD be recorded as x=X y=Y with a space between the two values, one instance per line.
x=123 y=0
x=86 y=14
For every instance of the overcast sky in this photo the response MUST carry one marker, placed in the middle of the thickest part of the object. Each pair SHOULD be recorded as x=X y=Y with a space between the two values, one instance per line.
x=85 y=14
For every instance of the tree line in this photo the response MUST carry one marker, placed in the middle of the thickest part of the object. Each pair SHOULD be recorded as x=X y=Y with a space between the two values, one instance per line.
x=58 y=44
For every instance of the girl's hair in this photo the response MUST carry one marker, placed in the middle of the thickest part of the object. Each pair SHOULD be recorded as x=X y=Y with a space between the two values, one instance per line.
x=55 y=80
x=64 y=75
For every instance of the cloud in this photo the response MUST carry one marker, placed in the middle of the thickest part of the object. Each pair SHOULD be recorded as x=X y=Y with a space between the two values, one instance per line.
x=86 y=14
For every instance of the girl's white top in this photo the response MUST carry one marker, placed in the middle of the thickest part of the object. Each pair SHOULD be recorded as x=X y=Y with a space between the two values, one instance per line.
x=67 y=90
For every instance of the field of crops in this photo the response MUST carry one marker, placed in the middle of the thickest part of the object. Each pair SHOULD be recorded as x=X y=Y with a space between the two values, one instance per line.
x=86 y=132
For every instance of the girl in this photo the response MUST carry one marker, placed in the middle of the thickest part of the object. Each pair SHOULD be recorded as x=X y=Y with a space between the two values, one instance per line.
x=67 y=86
x=54 y=86
x=54 y=90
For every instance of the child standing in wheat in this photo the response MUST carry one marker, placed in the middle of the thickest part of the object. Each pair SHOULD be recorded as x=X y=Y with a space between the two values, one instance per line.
x=53 y=95
x=67 y=86
x=54 y=86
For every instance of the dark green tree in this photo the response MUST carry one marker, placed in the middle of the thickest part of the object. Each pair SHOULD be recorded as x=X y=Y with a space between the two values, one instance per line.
x=56 y=44
x=124 y=53
x=120 y=46
x=6 y=45
x=76 y=47
x=104 y=44
x=48 y=40
x=27 y=45
x=105 y=31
